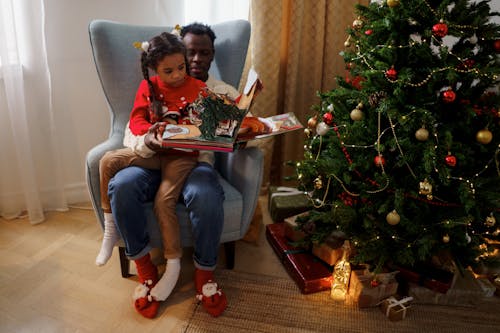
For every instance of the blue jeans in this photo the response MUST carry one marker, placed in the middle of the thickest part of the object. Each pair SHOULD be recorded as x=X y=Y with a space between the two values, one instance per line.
x=202 y=194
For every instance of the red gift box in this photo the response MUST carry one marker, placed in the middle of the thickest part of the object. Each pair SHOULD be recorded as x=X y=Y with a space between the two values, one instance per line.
x=309 y=273
x=430 y=277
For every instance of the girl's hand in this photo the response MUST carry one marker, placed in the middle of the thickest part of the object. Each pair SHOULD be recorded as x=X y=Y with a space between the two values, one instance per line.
x=153 y=136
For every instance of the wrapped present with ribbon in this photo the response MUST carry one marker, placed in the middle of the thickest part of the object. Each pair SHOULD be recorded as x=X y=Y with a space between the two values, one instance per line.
x=367 y=289
x=292 y=230
x=395 y=309
x=327 y=253
x=287 y=201
x=309 y=273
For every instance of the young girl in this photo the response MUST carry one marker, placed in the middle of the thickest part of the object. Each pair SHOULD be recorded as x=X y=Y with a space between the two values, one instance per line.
x=164 y=98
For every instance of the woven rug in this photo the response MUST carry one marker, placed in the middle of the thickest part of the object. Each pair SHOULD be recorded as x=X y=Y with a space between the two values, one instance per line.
x=259 y=303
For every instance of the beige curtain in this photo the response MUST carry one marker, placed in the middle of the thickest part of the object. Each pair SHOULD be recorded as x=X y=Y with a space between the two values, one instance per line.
x=295 y=47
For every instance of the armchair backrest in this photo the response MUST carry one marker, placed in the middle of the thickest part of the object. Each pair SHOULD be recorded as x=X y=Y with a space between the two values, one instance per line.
x=118 y=62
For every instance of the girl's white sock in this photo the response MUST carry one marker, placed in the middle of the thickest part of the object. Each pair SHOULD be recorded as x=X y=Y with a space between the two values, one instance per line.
x=109 y=240
x=164 y=287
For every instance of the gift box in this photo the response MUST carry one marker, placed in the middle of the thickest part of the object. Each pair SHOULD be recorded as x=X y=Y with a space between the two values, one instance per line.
x=327 y=253
x=395 y=309
x=426 y=275
x=275 y=234
x=486 y=286
x=309 y=273
x=496 y=284
x=287 y=201
x=367 y=290
x=291 y=231
x=465 y=291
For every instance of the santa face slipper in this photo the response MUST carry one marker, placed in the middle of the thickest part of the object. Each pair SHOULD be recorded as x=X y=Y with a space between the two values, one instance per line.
x=212 y=298
x=144 y=302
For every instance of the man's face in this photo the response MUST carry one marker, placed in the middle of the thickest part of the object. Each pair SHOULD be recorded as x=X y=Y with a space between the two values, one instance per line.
x=200 y=54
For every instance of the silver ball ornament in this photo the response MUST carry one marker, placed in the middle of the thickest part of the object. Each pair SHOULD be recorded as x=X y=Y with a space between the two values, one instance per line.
x=322 y=128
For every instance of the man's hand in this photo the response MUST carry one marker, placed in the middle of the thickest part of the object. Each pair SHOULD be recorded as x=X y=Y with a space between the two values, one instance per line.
x=153 y=137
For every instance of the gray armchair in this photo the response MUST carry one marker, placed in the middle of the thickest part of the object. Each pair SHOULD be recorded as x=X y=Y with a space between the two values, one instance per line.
x=117 y=64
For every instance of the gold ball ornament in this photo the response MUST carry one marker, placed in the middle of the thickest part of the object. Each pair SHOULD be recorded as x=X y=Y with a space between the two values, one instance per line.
x=484 y=136
x=490 y=221
x=393 y=218
x=356 y=114
x=357 y=24
x=446 y=238
x=392 y=3
x=422 y=134
x=425 y=188
x=312 y=122
x=318 y=183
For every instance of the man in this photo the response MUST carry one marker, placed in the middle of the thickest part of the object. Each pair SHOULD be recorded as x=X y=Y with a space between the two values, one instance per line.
x=202 y=194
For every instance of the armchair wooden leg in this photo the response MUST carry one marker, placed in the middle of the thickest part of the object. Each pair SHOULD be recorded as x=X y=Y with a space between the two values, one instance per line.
x=124 y=263
x=229 y=249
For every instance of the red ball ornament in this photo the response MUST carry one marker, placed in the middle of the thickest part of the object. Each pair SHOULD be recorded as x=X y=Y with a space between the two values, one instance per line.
x=391 y=74
x=379 y=160
x=496 y=45
x=450 y=160
x=449 y=96
x=466 y=64
x=328 y=118
x=440 y=29
x=368 y=32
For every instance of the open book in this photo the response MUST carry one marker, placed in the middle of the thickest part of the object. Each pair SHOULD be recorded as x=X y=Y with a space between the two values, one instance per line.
x=220 y=124
x=274 y=125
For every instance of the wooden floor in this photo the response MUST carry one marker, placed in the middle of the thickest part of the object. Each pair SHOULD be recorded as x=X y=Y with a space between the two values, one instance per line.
x=49 y=282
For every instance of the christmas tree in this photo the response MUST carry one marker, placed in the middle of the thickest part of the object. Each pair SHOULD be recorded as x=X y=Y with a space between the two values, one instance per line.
x=402 y=158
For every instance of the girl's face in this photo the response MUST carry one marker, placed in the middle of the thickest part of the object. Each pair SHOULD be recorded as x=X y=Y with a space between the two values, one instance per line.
x=172 y=69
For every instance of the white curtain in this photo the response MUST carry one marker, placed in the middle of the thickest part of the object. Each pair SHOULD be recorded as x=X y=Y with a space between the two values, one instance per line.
x=30 y=167
x=215 y=11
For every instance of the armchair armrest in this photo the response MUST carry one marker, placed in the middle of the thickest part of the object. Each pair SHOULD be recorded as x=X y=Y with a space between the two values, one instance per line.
x=243 y=169
x=92 y=171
